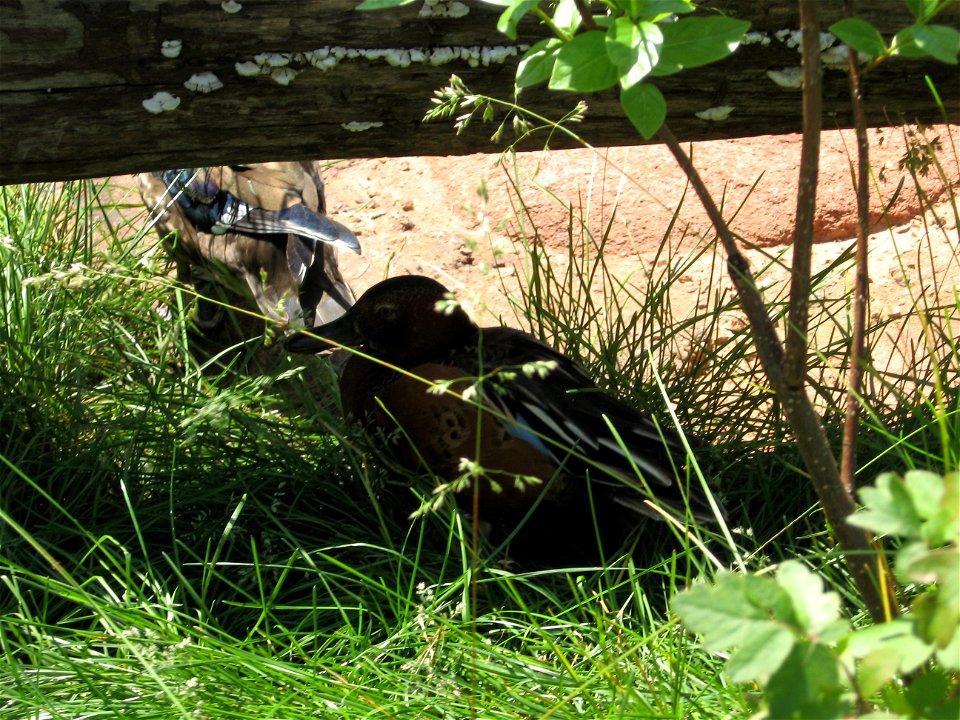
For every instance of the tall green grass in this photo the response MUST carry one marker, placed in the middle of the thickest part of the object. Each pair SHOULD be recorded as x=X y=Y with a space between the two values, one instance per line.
x=180 y=539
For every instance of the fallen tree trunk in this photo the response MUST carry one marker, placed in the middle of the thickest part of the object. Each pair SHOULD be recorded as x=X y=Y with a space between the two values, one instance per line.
x=79 y=83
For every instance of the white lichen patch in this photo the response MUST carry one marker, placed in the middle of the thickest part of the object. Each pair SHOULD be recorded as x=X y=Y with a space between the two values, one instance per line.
x=161 y=102
x=327 y=58
x=756 y=38
x=443 y=8
x=790 y=77
x=248 y=69
x=793 y=39
x=231 y=6
x=283 y=75
x=171 y=48
x=716 y=114
x=359 y=126
x=272 y=59
x=204 y=82
x=835 y=56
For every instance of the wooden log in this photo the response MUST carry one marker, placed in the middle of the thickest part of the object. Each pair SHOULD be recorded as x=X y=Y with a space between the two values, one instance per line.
x=74 y=75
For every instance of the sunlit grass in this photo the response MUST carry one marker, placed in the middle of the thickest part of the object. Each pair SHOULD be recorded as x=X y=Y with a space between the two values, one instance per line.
x=180 y=538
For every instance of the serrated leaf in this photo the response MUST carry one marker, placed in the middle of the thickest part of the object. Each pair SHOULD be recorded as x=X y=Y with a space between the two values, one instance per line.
x=808 y=684
x=814 y=609
x=898 y=637
x=511 y=17
x=936 y=617
x=941 y=565
x=926 y=490
x=949 y=657
x=761 y=654
x=692 y=42
x=888 y=508
x=931 y=694
x=876 y=669
x=860 y=35
x=721 y=613
x=764 y=593
x=582 y=65
x=645 y=107
x=536 y=65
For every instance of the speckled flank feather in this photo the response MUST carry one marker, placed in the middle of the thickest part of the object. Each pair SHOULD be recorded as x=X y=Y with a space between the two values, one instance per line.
x=258 y=229
x=542 y=416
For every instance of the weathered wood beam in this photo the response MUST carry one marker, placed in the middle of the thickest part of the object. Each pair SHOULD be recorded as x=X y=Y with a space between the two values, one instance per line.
x=74 y=75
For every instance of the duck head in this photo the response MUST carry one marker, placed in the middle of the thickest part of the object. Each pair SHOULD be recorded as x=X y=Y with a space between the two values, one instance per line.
x=404 y=320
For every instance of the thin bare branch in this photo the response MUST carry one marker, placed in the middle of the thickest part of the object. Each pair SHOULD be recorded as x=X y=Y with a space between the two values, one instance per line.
x=864 y=564
x=795 y=363
x=584 y=7
x=861 y=289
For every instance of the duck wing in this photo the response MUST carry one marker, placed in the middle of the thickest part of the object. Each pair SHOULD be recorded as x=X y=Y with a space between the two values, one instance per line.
x=255 y=222
x=258 y=200
x=562 y=412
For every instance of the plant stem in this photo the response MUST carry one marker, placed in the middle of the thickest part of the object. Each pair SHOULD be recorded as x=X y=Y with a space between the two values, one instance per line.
x=797 y=408
x=584 y=7
x=861 y=298
x=795 y=361
x=848 y=456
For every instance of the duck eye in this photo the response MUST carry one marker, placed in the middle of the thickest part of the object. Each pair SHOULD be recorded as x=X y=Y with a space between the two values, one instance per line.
x=387 y=312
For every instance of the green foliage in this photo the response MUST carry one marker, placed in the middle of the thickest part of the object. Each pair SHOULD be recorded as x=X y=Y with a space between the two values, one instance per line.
x=629 y=44
x=921 y=39
x=923 y=509
x=786 y=633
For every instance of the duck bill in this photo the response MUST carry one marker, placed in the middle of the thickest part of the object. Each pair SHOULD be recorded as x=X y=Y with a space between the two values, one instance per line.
x=339 y=333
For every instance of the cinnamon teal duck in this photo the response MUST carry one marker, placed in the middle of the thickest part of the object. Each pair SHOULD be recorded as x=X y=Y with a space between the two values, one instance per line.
x=556 y=451
x=260 y=230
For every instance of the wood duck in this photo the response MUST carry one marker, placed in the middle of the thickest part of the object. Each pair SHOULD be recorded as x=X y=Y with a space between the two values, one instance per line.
x=542 y=431
x=259 y=230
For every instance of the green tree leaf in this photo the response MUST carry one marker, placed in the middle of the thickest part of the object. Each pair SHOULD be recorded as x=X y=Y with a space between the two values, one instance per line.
x=511 y=17
x=876 y=669
x=567 y=16
x=582 y=65
x=897 y=637
x=654 y=8
x=815 y=609
x=922 y=9
x=381 y=4
x=735 y=614
x=760 y=653
x=537 y=62
x=860 y=35
x=888 y=508
x=645 y=106
x=692 y=42
x=938 y=41
x=808 y=685
x=634 y=48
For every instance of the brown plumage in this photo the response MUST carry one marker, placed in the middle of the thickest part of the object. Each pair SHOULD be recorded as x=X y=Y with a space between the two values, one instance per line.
x=260 y=230
x=542 y=417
